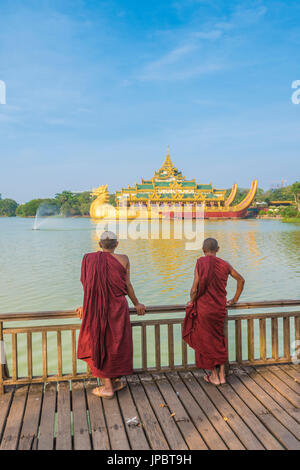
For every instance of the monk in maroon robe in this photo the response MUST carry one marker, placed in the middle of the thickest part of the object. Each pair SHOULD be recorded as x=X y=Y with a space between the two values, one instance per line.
x=105 y=339
x=207 y=311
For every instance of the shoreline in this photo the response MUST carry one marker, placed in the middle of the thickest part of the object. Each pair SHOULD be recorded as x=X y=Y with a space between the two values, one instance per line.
x=282 y=219
x=269 y=217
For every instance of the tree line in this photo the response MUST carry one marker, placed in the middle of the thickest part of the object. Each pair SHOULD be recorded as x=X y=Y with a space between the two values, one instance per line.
x=69 y=204
x=66 y=203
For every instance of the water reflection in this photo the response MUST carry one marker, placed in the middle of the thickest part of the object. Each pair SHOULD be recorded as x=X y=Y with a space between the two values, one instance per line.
x=41 y=270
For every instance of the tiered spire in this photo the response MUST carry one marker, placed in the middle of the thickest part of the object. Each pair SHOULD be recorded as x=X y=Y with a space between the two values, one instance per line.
x=168 y=165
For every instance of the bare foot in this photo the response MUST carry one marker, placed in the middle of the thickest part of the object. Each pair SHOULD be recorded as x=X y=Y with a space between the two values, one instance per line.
x=210 y=380
x=103 y=392
x=118 y=385
x=222 y=380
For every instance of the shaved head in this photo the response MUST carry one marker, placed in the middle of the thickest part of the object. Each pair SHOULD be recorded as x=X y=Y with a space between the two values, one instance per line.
x=210 y=245
x=108 y=240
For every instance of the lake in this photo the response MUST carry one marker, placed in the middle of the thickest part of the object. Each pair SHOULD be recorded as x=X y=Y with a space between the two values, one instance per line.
x=40 y=270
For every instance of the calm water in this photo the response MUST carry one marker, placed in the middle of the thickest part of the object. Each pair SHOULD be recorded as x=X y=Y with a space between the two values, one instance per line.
x=40 y=270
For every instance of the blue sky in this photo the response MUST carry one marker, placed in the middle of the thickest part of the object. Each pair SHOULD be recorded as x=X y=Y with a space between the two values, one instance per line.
x=96 y=90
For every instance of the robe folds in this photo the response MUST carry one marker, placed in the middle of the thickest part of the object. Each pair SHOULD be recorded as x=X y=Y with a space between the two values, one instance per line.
x=105 y=338
x=204 y=323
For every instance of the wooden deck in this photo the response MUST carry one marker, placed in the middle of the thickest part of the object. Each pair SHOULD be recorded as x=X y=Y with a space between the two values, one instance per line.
x=259 y=408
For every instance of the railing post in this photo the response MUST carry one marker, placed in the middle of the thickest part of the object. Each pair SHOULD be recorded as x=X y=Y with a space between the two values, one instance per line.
x=286 y=338
x=4 y=373
x=2 y=359
x=262 y=339
x=250 y=326
x=238 y=341
x=227 y=367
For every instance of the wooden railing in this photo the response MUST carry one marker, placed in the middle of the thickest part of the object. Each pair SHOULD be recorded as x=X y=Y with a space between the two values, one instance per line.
x=253 y=338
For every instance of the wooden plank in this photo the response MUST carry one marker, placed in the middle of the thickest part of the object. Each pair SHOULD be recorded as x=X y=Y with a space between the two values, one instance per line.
x=29 y=432
x=274 y=323
x=196 y=414
x=190 y=433
x=46 y=432
x=258 y=377
x=280 y=372
x=241 y=430
x=99 y=431
x=238 y=399
x=115 y=425
x=238 y=341
x=136 y=434
x=63 y=432
x=5 y=403
x=82 y=439
x=268 y=411
x=150 y=423
x=152 y=309
x=217 y=420
x=163 y=413
x=262 y=339
x=13 y=426
x=293 y=370
x=50 y=378
x=281 y=386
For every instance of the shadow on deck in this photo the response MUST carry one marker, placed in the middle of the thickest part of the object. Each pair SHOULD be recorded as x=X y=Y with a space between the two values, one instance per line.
x=259 y=408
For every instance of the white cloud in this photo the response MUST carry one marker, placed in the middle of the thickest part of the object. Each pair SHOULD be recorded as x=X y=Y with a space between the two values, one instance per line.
x=183 y=61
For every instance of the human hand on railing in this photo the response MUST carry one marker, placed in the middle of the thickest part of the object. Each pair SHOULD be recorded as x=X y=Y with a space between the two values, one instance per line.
x=231 y=302
x=79 y=312
x=140 y=309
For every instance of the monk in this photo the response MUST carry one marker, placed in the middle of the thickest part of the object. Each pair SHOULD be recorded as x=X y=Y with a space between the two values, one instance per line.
x=105 y=339
x=207 y=310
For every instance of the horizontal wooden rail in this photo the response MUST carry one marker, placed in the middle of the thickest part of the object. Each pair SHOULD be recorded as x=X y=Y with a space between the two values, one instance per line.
x=254 y=338
x=46 y=315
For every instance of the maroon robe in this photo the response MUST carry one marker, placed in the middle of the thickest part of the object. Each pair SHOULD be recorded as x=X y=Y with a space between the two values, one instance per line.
x=105 y=339
x=204 y=323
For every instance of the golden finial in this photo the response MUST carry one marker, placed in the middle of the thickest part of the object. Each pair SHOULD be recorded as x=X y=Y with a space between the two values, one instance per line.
x=168 y=162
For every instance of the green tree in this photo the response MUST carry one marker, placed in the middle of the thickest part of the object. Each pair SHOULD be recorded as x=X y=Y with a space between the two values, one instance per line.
x=287 y=212
x=65 y=196
x=69 y=210
x=30 y=208
x=84 y=202
x=112 y=200
x=295 y=188
x=8 y=207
